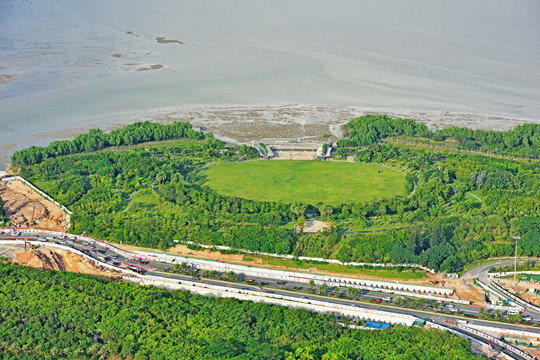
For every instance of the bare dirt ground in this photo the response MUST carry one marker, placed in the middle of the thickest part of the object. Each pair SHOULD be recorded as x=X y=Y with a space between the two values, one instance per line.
x=531 y=351
x=284 y=154
x=522 y=287
x=313 y=226
x=27 y=209
x=56 y=259
x=466 y=290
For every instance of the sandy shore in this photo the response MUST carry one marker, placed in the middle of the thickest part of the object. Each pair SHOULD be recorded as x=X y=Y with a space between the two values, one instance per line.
x=287 y=125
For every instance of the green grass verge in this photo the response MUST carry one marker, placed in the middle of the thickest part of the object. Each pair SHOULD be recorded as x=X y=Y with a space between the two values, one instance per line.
x=356 y=270
x=310 y=182
x=477 y=263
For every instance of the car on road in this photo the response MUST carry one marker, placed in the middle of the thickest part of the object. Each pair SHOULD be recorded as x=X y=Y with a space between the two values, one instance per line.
x=377 y=300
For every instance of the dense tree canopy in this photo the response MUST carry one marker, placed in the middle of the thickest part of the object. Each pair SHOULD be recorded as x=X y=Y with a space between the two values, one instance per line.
x=56 y=315
x=96 y=139
x=462 y=205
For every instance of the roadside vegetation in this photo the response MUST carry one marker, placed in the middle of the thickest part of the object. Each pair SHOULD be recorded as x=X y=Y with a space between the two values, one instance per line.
x=390 y=273
x=151 y=195
x=41 y=317
x=4 y=220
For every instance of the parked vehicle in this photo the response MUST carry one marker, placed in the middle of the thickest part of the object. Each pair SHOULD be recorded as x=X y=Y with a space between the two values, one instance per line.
x=377 y=300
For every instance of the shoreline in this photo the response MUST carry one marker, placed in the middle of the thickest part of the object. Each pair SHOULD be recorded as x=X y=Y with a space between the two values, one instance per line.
x=278 y=125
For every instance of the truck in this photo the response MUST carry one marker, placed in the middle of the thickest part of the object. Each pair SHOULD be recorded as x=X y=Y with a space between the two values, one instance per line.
x=136 y=269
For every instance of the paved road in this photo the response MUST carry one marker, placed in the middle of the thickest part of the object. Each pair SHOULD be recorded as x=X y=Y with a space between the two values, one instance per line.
x=298 y=290
x=480 y=272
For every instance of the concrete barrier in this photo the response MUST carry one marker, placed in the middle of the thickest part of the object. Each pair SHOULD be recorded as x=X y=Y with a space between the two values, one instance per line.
x=511 y=273
x=397 y=288
x=503 y=331
x=497 y=294
x=306 y=258
x=39 y=191
x=289 y=301
x=462 y=335
x=224 y=291
x=67 y=248
x=501 y=343
x=515 y=298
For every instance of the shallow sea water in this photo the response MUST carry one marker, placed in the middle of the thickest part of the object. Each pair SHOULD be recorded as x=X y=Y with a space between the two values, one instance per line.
x=280 y=71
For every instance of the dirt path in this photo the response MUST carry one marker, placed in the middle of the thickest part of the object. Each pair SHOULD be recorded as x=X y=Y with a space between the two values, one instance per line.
x=474 y=196
x=27 y=209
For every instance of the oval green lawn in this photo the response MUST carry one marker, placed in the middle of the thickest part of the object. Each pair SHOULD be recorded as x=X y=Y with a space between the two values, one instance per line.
x=310 y=182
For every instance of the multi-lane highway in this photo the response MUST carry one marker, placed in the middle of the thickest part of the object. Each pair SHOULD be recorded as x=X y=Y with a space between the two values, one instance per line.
x=296 y=289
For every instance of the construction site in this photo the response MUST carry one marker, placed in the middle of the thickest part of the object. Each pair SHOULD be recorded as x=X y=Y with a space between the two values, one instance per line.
x=26 y=209
x=49 y=258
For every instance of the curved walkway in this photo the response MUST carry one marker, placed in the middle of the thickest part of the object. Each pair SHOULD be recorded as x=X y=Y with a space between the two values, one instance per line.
x=474 y=196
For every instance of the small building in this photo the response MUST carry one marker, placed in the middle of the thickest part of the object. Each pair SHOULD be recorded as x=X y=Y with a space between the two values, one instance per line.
x=324 y=151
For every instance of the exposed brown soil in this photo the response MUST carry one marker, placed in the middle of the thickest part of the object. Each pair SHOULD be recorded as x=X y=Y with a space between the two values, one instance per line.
x=27 y=209
x=162 y=40
x=313 y=226
x=56 y=259
x=466 y=290
x=283 y=154
x=522 y=287
x=531 y=351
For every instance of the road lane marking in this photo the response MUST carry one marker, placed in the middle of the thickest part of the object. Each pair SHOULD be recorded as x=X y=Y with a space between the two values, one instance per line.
x=8 y=249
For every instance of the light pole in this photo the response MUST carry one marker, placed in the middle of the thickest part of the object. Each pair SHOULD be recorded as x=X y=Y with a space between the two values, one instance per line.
x=515 y=258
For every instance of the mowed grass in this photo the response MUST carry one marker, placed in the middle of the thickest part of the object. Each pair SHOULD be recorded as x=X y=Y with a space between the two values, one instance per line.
x=310 y=182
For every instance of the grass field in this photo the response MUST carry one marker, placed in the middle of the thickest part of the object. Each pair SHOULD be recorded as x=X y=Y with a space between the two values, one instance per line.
x=330 y=182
